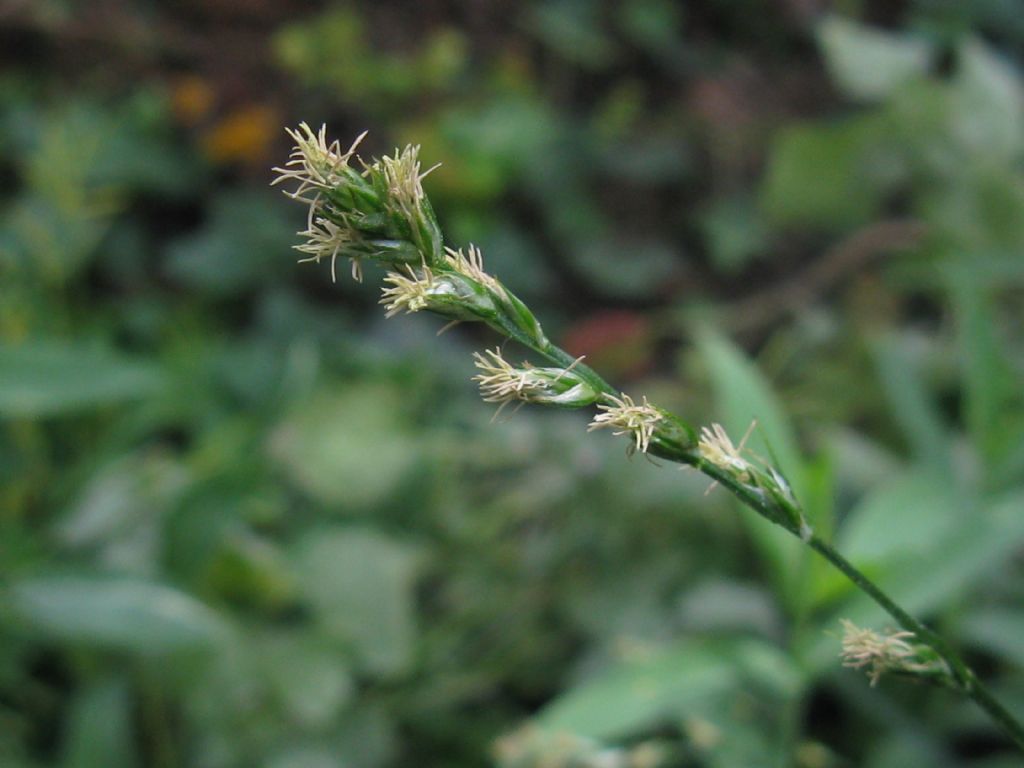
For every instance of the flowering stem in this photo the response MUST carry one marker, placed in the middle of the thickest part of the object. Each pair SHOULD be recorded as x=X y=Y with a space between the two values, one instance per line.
x=382 y=214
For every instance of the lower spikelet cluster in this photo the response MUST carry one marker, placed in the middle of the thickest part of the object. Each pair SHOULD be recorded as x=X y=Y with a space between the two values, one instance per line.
x=716 y=447
x=471 y=264
x=501 y=382
x=409 y=290
x=877 y=653
x=627 y=418
x=325 y=240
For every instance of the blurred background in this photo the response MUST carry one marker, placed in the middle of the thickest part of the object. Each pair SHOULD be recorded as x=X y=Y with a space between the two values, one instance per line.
x=246 y=522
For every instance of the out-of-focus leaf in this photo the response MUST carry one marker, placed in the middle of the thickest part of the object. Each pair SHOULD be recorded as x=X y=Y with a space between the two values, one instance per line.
x=245 y=242
x=333 y=50
x=117 y=613
x=994 y=405
x=826 y=175
x=976 y=545
x=996 y=630
x=742 y=396
x=653 y=24
x=572 y=28
x=52 y=241
x=988 y=104
x=117 y=496
x=143 y=160
x=721 y=605
x=307 y=756
x=250 y=569
x=667 y=684
x=443 y=58
x=898 y=750
x=309 y=678
x=981 y=216
x=867 y=63
x=910 y=403
x=118 y=515
x=909 y=515
x=734 y=232
x=46 y=378
x=348 y=448
x=487 y=146
x=906 y=518
x=648 y=160
x=626 y=270
x=861 y=463
x=368 y=738
x=360 y=583
x=101 y=729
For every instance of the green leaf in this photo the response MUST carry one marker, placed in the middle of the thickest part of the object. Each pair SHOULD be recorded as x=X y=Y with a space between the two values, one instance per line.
x=360 y=584
x=734 y=233
x=997 y=631
x=867 y=63
x=827 y=175
x=906 y=518
x=988 y=104
x=989 y=384
x=241 y=246
x=306 y=756
x=654 y=25
x=572 y=28
x=46 y=378
x=114 y=613
x=667 y=684
x=627 y=270
x=309 y=678
x=350 y=447
x=742 y=396
x=101 y=733
x=911 y=514
x=910 y=403
x=121 y=505
x=900 y=748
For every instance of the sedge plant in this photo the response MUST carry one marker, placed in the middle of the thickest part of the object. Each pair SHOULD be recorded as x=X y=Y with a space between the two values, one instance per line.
x=378 y=212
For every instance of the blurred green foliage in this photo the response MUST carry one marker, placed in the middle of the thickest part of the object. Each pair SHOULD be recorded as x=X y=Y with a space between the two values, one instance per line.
x=245 y=522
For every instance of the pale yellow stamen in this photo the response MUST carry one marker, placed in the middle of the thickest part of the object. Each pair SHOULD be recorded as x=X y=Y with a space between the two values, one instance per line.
x=325 y=240
x=403 y=177
x=471 y=265
x=409 y=292
x=501 y=382
x=877 y=653
x=627 y=417
x=314 y=163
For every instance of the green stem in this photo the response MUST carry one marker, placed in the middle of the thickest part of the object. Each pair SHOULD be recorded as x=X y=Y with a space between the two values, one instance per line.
x=563 y=359
x=964 y=677
x=556 y=355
